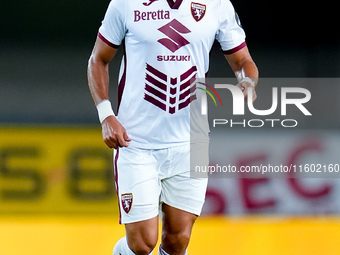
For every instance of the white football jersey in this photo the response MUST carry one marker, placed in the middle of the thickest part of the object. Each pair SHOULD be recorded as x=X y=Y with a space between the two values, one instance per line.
x=166 y=46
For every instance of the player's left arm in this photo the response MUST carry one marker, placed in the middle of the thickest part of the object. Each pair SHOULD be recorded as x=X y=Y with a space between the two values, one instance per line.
x=243 y=66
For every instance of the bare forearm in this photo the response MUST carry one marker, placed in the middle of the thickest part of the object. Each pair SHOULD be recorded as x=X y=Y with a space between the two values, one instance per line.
x=98 y=70
x=98 y=79
x=247 y=69
x=243 y=65
x=244 y=69
x=114 y=134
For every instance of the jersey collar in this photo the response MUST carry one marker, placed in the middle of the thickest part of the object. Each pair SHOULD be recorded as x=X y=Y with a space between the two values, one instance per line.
x=174 y=5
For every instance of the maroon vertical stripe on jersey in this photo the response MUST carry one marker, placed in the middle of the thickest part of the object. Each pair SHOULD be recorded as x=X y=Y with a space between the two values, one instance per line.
x=122 y=81
x=116 y=182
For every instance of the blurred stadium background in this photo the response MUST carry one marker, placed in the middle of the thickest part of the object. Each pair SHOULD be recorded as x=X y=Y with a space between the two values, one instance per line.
x=56 y=188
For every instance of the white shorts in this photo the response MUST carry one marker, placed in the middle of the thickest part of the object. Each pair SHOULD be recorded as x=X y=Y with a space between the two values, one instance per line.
x=145 y=178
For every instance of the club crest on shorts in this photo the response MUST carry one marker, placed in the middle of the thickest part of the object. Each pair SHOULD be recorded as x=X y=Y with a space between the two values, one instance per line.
x=127 y=199
x=198 y=10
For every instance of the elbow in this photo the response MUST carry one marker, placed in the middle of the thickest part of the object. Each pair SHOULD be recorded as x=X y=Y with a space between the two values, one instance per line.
x=94 y=64
x=95 y=61
x=90 y=63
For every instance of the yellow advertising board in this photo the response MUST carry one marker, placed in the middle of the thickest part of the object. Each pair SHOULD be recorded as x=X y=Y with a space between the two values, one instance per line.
x=55 y=170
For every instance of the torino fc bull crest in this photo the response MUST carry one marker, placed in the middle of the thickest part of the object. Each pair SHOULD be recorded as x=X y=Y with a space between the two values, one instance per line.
x=127 y=199
x=198 y=11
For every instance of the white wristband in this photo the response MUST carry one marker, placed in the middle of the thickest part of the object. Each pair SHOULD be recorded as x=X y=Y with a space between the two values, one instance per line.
x=104 y=109
x=247 y=79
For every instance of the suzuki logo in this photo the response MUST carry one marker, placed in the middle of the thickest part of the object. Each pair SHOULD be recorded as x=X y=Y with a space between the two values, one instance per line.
x=173 y=30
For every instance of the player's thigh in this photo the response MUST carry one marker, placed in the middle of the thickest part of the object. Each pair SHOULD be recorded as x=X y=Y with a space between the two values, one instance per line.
x=142 y=235
x=177 y=227
x=176 y=220
x=138 y=185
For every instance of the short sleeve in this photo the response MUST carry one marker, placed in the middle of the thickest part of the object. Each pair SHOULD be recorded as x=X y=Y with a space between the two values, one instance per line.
x=230 y=33
x=113 y=28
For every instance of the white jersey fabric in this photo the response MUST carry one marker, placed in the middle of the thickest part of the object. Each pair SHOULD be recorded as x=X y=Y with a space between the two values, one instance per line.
x=166 y=46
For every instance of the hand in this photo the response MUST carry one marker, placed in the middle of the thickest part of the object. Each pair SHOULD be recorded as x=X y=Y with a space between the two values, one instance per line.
x=244 y=88
x=114 y=134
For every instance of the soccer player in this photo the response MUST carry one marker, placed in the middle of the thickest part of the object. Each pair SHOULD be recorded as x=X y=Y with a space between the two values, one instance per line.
x=166 y=46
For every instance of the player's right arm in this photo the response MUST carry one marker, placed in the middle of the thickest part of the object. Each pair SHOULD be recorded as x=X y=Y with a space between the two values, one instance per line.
x=114 y=134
